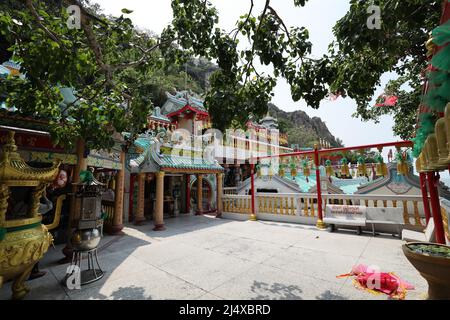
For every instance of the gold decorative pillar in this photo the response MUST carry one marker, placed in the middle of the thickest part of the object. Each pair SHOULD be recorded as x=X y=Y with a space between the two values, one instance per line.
x=199 y=194
x=139 y=219
x=158 y=214
x=219 y=194
x=118 y=200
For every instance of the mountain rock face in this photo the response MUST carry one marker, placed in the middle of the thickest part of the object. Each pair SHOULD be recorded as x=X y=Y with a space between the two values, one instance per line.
x=302 y=129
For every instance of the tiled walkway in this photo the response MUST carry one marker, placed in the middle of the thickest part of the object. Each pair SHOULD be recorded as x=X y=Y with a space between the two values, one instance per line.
x=199 y=257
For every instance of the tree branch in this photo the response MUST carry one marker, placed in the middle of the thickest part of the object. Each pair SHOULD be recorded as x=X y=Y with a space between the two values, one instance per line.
x=245 y=22
x=29 y=4
x=263 y=15
x=272 y=10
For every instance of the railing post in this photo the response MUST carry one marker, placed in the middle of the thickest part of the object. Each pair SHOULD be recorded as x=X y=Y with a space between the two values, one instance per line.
x=423 y=187
x=436 y=207
x=252 y=173
x=320 y=224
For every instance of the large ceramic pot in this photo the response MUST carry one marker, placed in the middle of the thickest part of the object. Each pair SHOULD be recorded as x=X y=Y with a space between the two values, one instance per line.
x=435 y=269
x=25 y=243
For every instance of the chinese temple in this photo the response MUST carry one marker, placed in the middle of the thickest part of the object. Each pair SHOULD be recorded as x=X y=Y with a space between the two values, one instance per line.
x=168 y=174
x=262 y=138
x=173 y=169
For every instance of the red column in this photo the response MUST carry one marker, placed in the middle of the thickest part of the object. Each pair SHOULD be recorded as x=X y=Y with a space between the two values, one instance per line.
x=445 y=12
x=188 y=193
x=436 y=207
x=252 y=172
x=130 y=198
x=319 y=188
x=423 y=187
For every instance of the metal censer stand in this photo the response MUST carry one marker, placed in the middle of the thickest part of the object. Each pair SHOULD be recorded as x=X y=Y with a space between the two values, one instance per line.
x=86 y=237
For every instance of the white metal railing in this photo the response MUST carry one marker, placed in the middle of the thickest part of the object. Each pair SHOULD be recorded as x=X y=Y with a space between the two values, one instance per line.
x=305 y=204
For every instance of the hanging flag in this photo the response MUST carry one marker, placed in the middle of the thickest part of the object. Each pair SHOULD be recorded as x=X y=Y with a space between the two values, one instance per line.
x=386 y=101
x=333 y=96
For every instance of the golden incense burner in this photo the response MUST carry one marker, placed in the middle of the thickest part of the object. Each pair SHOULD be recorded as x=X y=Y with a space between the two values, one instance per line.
x=23 y=239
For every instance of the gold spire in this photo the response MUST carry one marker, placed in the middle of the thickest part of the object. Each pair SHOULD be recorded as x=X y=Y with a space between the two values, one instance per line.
x=14 y=170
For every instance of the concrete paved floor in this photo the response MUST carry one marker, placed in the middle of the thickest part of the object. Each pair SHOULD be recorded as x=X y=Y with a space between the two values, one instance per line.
x=199 y=257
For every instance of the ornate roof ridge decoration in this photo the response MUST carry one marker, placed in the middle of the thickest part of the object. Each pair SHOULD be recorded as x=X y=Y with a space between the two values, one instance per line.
x=268 y=117
x=12 y=68
x=156 y=115
x=149 y=149
x=387 y=181
x=330 y=189
x=183 y=98
x=284 y=181
x=4 y=71
x=13 y=168
x=11 y=65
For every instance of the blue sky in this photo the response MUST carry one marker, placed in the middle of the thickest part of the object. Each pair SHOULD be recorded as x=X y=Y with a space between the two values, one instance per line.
x=318 y=16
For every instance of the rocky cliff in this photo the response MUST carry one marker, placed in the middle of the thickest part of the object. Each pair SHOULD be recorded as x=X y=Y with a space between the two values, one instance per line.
x=302 y=129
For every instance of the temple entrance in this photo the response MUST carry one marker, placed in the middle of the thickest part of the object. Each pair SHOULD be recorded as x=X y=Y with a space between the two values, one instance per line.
x=207 y=196
x=172 y=195
x=150 y=195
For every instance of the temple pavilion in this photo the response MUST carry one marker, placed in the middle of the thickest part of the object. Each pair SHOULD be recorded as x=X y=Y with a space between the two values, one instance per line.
x=169 y=173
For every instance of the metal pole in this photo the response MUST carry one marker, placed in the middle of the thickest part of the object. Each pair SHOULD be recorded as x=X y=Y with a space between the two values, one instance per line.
x=423 y=187
x=252 y=172
x=320 y=223
x=436 y=207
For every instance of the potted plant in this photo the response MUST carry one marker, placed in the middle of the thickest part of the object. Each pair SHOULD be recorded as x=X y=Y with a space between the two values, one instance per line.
x=432 y=260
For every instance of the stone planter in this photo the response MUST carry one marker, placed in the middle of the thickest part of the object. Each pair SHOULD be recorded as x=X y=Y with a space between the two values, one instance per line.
x=435 y=269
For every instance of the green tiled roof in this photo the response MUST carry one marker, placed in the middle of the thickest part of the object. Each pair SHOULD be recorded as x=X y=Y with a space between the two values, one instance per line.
x=169 y=161
x=138 y=158
x=143 y=143
x=183 y=98
x=156 y=114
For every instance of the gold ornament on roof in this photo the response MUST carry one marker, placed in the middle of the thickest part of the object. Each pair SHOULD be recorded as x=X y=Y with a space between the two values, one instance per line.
x=15 y=171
